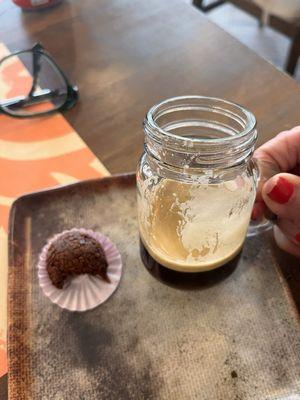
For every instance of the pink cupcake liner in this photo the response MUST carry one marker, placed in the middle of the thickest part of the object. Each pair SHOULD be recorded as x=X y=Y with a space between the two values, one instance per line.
x=83 y=292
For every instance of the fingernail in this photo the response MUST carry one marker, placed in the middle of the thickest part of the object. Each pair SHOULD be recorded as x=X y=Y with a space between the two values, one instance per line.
x=297 y=238
x=282 y=191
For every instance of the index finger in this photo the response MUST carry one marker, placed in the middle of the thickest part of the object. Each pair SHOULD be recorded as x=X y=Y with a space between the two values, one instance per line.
x=280 y=154
x=283 y=151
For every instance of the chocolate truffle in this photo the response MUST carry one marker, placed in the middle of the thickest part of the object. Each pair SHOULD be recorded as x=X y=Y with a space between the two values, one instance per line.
x=74 y=253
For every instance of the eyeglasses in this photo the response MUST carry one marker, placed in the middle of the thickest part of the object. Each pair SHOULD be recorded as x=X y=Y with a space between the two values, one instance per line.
x=32 y=84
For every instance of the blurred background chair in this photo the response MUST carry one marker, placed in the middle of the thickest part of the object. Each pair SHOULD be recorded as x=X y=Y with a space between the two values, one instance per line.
x=281 y=15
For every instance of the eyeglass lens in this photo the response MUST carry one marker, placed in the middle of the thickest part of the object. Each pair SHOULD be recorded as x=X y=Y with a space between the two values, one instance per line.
x=33 y=84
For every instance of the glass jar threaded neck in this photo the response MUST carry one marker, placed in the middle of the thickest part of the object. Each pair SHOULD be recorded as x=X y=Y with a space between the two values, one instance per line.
x=199 y=132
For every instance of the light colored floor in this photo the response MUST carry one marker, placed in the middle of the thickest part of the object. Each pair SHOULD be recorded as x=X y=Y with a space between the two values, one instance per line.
x=266 y=42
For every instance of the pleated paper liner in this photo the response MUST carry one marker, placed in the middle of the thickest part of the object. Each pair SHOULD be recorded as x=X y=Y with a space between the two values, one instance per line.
x=83 y=292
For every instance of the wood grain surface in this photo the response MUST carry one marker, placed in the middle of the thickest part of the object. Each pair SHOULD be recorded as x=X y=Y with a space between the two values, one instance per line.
x=126 y=55
x=237 y=337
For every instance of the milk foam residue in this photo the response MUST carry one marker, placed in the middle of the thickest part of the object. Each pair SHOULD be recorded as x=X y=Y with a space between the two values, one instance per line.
x=194 y=226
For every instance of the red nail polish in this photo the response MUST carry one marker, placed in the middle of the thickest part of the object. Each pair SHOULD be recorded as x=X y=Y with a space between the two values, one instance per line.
x=297 y=237
x=282 y=191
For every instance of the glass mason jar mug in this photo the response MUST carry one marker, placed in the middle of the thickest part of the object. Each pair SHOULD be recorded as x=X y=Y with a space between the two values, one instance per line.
x=196 y=182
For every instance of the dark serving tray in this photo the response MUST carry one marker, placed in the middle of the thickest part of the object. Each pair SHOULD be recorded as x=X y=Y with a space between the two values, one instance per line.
x=237 y=339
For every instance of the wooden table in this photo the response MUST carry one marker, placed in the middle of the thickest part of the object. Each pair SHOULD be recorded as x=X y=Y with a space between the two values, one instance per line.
x=126 y=55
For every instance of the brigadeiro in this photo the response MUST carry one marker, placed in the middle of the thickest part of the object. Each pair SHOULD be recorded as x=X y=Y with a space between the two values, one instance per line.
x=75 y=253
x=79 y=269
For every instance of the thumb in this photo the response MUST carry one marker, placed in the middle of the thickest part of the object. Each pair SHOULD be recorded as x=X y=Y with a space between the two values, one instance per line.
x=281 y=194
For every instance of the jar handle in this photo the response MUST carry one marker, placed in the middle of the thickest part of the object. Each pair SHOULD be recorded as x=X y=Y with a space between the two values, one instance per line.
x=253 y=164
x=262 y=171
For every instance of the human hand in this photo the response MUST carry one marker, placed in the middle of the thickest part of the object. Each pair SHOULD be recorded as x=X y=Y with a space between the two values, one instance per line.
x=280 y=194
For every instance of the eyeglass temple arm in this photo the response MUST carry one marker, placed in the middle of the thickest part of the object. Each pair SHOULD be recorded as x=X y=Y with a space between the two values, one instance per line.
x=42 y=95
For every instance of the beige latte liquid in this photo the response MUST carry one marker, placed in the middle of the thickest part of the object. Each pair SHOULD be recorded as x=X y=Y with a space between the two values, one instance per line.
x=195 y=227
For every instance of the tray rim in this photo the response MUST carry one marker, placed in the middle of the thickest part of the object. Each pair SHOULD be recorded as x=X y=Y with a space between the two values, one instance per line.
x=110 y=179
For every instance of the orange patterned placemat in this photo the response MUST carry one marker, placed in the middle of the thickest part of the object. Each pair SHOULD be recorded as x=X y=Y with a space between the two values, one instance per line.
x=34 y=154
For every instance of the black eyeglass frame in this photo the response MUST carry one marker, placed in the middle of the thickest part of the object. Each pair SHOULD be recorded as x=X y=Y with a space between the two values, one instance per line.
x=72 y=93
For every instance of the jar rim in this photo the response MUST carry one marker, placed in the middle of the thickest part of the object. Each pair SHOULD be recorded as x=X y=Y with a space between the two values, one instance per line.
x=249 y=127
